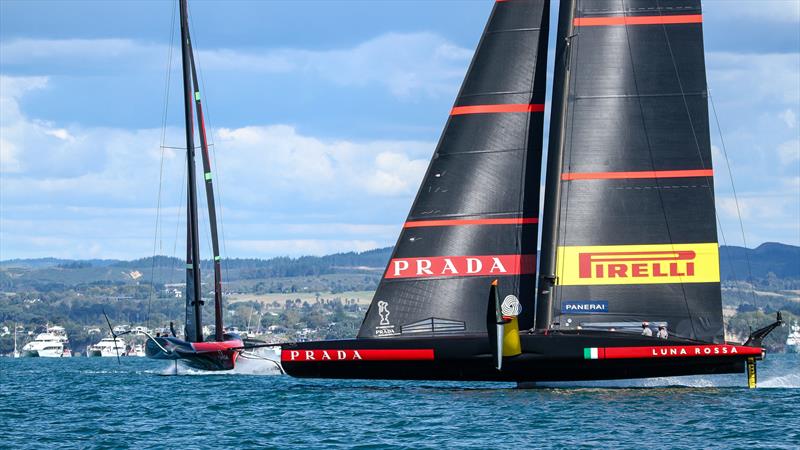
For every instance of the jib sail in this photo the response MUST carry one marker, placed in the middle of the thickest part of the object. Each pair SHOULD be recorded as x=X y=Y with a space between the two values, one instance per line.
x=635 y=233
x=475 y=216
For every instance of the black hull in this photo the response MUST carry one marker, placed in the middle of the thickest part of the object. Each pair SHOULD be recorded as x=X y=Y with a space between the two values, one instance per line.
x=553 y=357
x=222 y=357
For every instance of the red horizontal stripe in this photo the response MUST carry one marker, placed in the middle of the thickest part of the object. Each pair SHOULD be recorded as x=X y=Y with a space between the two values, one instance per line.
x=679 y=351
x=323 y=355
x=453 y=223
x=461 y=266
x=637 y=20
x=216 y=346
x=634 y=175
x=506 y=108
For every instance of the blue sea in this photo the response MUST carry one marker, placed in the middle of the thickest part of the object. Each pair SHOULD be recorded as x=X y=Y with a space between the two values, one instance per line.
x=96 y=403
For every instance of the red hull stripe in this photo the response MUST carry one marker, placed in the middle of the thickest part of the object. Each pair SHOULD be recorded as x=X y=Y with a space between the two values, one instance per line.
x=637 y=20
x=216 y=346
x=324 y=355
x=486 y=109
x=453 y=223
x=635 y=175
x=680 y=351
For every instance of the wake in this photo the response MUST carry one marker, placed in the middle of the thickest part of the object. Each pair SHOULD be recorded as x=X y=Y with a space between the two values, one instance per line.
x=787 y=381
x=264 y=362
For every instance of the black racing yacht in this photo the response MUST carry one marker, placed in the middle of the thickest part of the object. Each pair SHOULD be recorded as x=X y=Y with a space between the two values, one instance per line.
x=220 y=351
x=628 y=281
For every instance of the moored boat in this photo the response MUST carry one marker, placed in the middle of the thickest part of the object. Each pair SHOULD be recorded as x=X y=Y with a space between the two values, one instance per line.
x=108 y=347
x=53 y=343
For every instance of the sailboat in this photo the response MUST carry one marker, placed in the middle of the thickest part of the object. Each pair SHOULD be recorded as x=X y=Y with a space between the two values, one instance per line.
x=627 y=285
x=220 y=351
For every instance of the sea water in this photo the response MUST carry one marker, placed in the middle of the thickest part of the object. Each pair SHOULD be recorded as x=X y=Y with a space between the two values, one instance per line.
x=96 y=402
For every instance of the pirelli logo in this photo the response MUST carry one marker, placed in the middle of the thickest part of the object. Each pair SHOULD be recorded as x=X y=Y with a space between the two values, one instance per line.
x=638 y=264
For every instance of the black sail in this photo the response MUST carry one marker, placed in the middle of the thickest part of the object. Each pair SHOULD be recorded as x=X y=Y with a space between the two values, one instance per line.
x=475 y=216
x=637 y=239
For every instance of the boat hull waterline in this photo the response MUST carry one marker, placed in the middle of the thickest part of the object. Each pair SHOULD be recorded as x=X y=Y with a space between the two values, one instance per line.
x=545 y=357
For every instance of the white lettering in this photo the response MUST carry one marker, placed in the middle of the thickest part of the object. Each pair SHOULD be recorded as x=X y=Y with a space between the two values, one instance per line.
x=733 y=350
x=448 y=265
x=309 y=355
x=399 y=266
x=497 y=265
x=325 y=355
x=474 y=265
x=424 y=266
x=293 y=354
x=356 y=355
x=340 y=354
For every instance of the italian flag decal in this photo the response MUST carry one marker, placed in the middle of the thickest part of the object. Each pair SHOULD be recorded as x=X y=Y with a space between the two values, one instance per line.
x=671 y=351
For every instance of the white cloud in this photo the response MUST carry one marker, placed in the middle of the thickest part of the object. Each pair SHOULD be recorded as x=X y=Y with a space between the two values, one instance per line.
x=789 y=118
x=80 y=191
x=789 y=152
x=786 y=11
x=409 y=65
x=299 y=247
x=755 y=77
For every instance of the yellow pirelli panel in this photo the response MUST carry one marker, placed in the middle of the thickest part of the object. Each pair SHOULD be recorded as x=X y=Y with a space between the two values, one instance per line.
x=638 y=264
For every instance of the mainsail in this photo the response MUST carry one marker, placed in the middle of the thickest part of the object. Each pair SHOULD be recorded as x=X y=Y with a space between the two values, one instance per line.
x=475 y=216
x=630 y=198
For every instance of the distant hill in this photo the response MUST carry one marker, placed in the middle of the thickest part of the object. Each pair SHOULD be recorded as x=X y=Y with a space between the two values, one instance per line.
x=782 y=260
x=773 y=260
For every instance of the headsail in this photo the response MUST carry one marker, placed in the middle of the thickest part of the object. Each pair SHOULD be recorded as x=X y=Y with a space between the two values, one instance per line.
x=475 y=216
x=636 y=232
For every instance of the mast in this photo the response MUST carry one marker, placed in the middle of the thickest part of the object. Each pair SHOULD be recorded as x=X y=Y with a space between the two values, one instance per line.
x=555 y=160
x=194 y=297
x=212 y=212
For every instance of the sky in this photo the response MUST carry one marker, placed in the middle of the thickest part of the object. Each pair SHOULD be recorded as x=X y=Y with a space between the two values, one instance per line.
x=323 y=117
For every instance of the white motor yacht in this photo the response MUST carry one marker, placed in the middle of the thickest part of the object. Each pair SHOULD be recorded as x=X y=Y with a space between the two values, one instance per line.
x=793 y=340
x=107 y=347
x=53 y=343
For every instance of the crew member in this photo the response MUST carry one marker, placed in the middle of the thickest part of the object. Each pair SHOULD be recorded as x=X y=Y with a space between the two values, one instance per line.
x=662 y=332
x=646 y=331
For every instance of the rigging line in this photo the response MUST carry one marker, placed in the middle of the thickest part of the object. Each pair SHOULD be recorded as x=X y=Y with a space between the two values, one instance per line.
x=650 y=147
x=694 y=132
x=735 y=199
x=161 y=167
x=218 y=175
x=730 y=262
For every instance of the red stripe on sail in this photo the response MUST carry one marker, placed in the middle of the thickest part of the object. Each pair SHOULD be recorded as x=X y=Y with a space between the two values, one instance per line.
x=461 y=266
x=507 y=108
x=677 y=351
x=459 y=222
x=637 y=20
x=637 y=175
x=323 y=355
